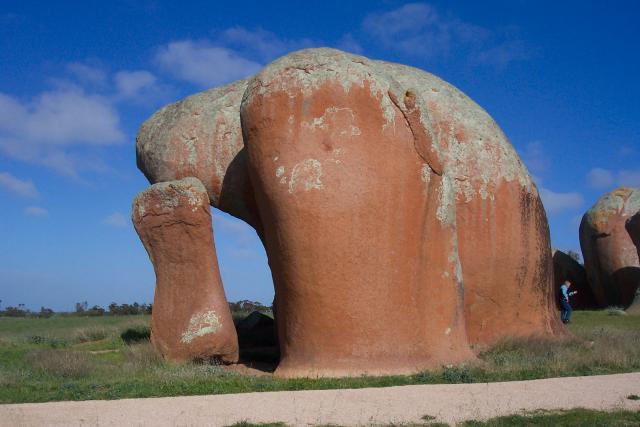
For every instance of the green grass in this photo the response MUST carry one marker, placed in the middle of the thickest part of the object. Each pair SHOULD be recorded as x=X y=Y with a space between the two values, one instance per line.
x=71 y=358
x=570 y=418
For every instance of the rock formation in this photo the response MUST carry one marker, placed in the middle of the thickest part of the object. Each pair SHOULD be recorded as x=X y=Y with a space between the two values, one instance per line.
x=191 y=317
x=633 y=228
x=402 y=229
x=567 y=268
x=610 y=257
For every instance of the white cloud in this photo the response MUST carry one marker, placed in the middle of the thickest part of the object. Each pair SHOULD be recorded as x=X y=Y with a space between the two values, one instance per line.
x=503 y=54
x=599 y=178
x=36 y=211
x=204 y=64
x=231 y=54
x=535 y=157
x=558 y=202
x=629 y=178
x=116 y=220
x=42 y=130
x=602 y=179
x=420 y=30
x=88 y=73
x=17 y=186
x=133 y=84
x=259 y=44
x=240 y=238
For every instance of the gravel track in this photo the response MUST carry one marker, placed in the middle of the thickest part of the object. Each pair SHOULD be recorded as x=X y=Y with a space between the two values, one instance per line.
x=450 y=403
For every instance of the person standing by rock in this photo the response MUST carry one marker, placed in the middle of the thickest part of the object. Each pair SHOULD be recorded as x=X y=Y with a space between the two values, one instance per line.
x=565 y=307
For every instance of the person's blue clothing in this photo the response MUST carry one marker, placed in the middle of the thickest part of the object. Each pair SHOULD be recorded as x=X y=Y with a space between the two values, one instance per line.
x=565 y=307
x=565 y=312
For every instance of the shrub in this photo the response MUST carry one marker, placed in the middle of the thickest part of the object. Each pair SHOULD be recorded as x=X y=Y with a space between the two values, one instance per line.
x=135 y=334
x=457 y=374
x=90 y=334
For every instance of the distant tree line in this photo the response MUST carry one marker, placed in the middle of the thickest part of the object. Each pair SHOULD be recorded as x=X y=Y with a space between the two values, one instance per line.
x=81 y=309
x=248 y=306
x=115 y=309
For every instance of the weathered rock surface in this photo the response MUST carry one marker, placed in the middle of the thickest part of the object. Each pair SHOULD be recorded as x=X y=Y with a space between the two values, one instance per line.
x=200 y=137
x=633 y=228
x=567 y=268
x=610 y=257
x=191 y=317
x=401 y=227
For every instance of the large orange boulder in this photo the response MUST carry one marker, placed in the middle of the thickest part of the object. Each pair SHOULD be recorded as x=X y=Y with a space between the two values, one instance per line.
x=191 y=317
x=610 y=257
x=402 y=230
x=567 y=268
x=633 y=228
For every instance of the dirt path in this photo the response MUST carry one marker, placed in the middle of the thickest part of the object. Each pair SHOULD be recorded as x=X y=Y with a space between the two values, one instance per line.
x=448 y=403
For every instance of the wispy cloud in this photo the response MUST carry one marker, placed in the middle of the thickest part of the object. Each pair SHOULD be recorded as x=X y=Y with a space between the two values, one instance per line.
x=132 y=85
x=24 y=188
x=536 y=157
x=64 y=127
x=602 y=179
x=241 y=238
x=116 y=220
x=559 y=202
x=203 y=64
x=36 y=211
x=232 y=54
x=421 y=30
x=599 y=178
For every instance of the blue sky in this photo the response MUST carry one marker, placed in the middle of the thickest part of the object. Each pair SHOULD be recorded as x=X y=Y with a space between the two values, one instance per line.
x=78 y=78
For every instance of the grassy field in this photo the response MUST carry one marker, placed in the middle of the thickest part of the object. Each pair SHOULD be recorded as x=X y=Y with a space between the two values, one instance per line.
x=79 y=358
x=571 y=418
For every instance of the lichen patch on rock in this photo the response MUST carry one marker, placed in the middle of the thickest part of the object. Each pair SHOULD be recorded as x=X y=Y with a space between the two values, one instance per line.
x=201 y=324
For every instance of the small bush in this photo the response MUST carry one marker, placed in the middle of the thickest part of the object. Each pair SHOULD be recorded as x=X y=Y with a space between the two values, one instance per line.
x=457 y=374
x=90 y=335
x=68 y=364
x=633 y=397
x=135 y=334
x=52 y=342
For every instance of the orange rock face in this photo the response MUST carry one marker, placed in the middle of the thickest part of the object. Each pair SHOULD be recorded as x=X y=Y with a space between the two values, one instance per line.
x=401 y=227
x=633 y=228
x=191 y=317
x=566 y=268
x=610 y=257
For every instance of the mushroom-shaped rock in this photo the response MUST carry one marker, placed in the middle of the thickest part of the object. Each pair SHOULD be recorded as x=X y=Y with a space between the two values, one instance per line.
x=400 y=225
x=610 y=257
x=191 y=317
x=633 y=228
x=567 y=268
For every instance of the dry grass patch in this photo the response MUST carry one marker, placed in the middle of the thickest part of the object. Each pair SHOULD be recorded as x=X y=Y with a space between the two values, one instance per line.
x=63 y=363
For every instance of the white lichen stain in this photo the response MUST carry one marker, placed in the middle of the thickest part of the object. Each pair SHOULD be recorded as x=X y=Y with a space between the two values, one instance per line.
x=308 y=70
x=425 y=173
x=447 y=331
x=279 y=171
x=201 y=324
x=446 y=205
x=306 y=175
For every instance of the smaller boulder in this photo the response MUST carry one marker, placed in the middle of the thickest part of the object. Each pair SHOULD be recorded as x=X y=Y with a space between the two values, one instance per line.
x=256 y=330
x=191 y=317
x=567 y=268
